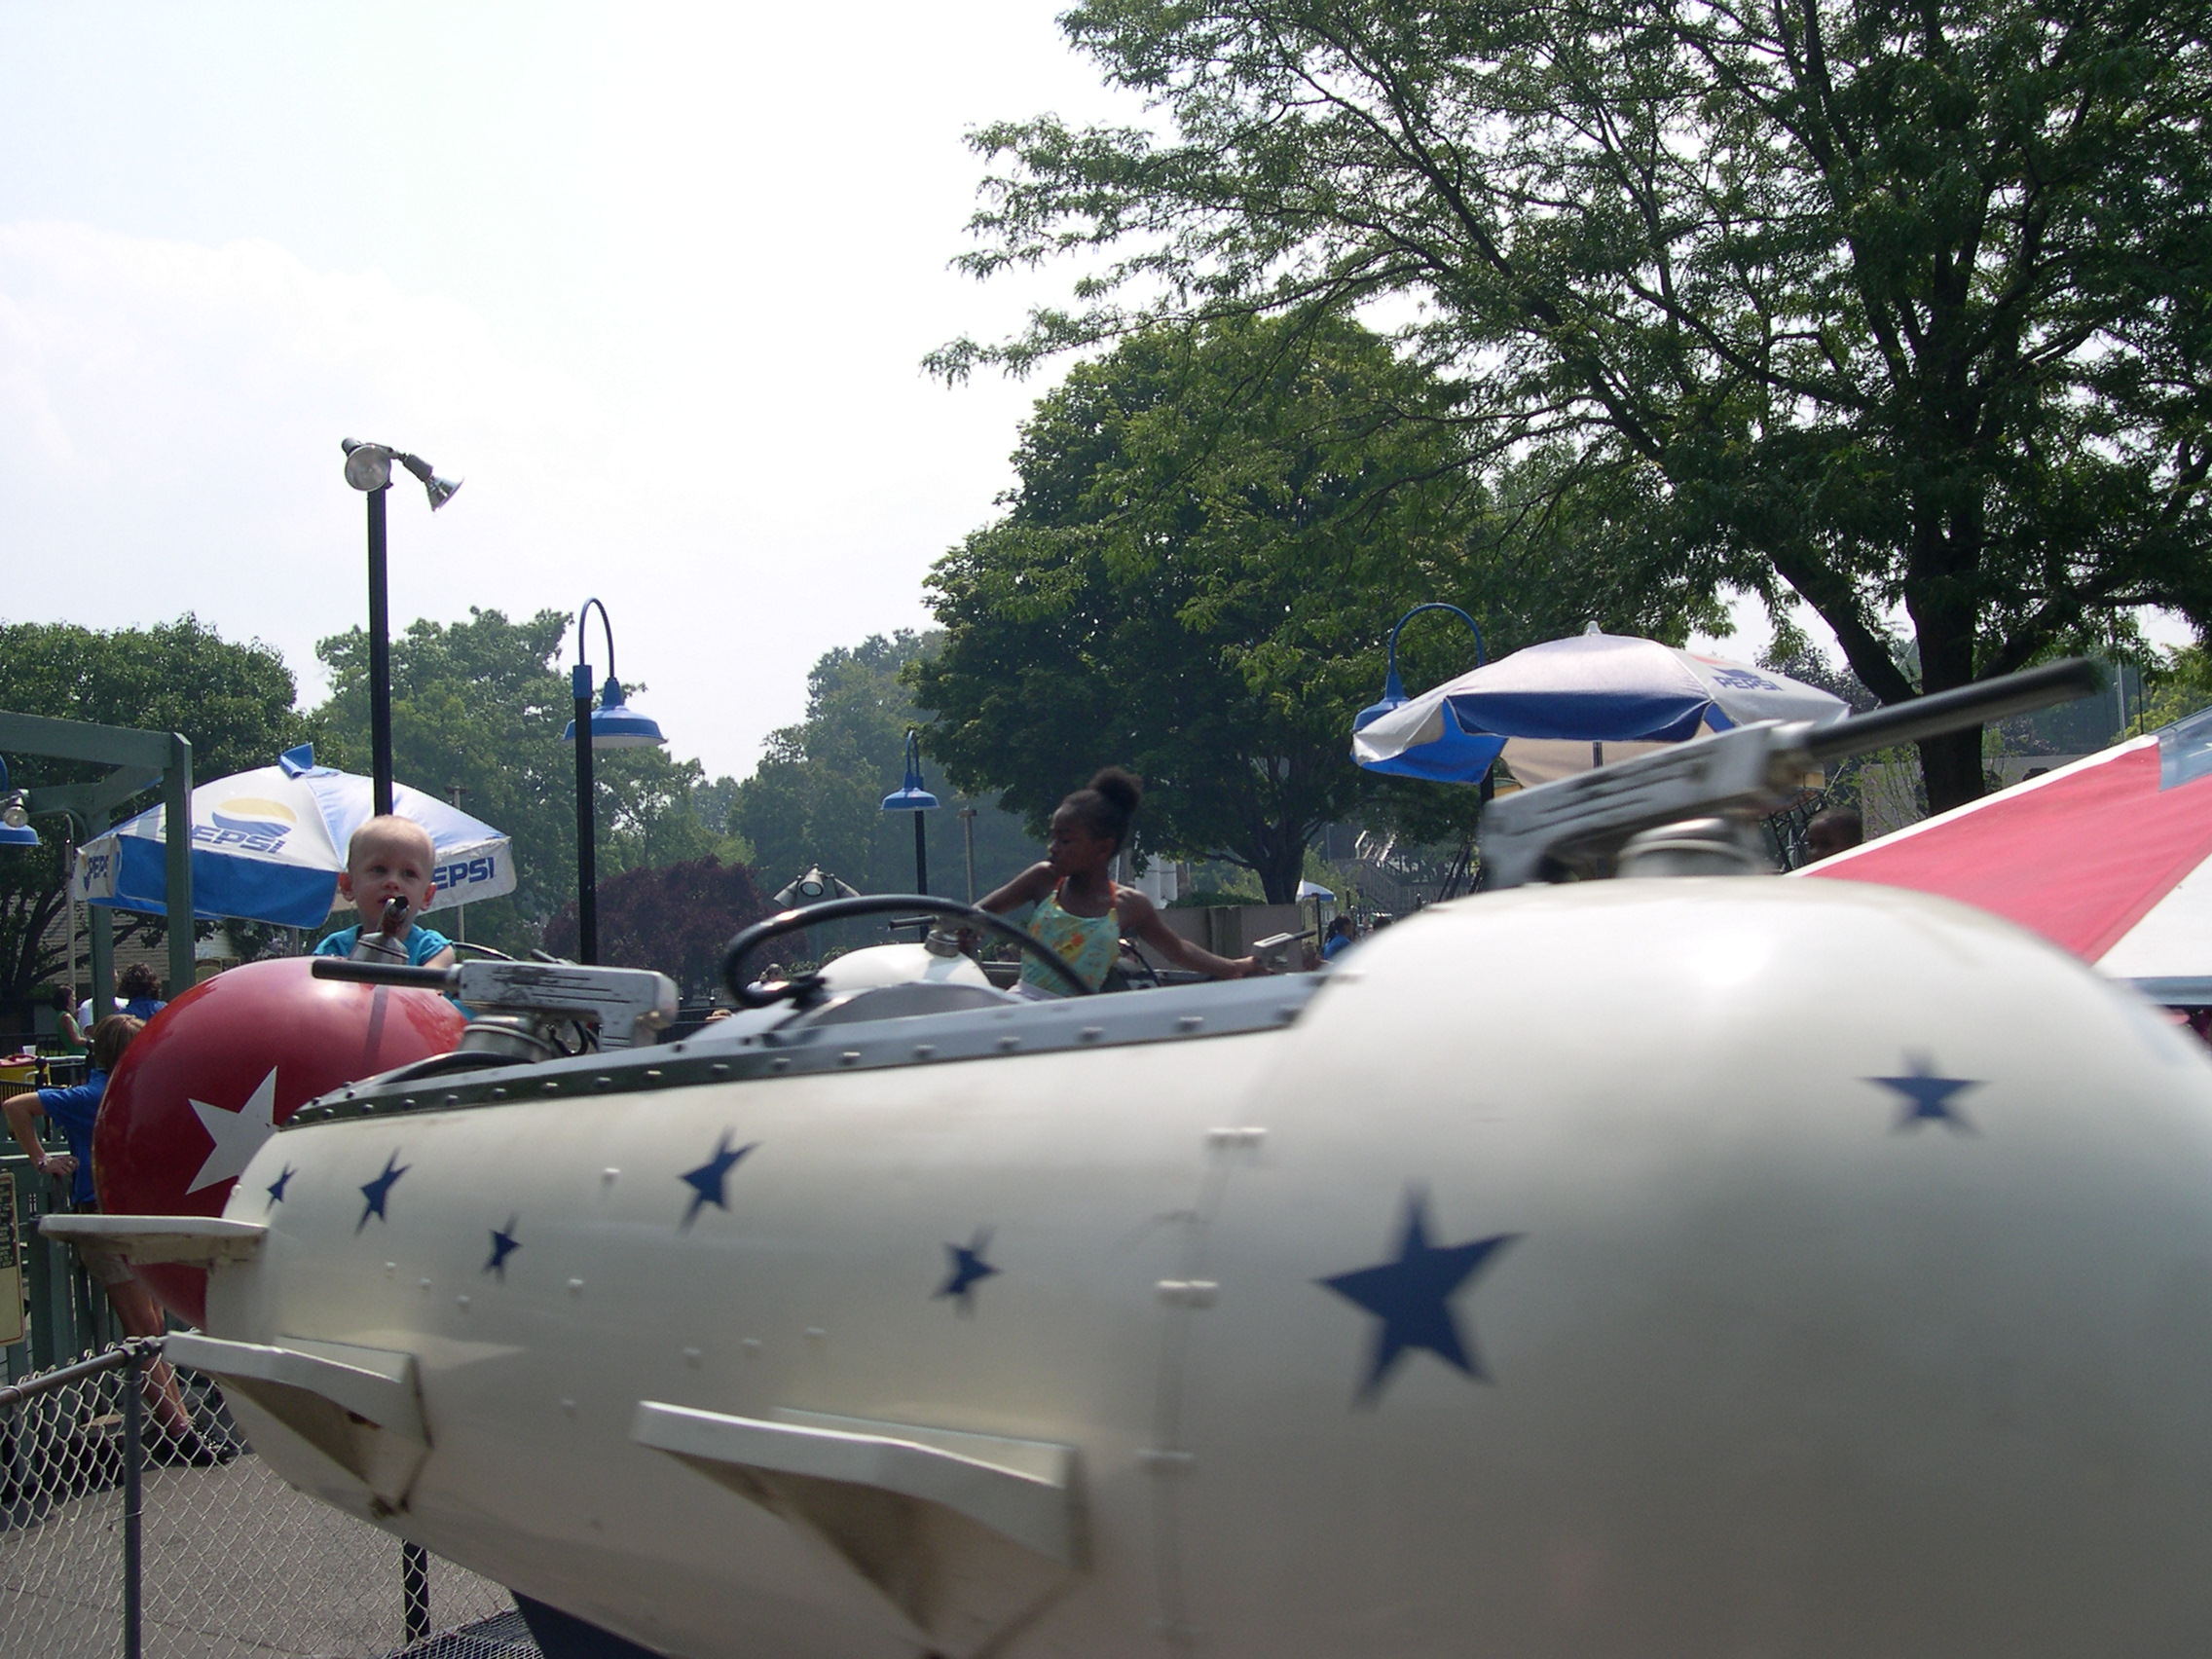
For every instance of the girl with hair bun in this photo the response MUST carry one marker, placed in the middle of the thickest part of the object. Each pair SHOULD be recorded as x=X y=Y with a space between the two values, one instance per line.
x=1074 y=905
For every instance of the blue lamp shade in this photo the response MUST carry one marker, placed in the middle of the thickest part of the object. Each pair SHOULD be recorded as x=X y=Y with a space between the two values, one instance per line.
x=910 y=796
x=16 y=824
x=1393 y=697
x=615 y=725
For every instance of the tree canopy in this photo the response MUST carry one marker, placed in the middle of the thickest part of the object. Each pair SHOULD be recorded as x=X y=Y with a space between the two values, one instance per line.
x=1212 y=534
x=232 y=701
x=817 y=795
x=1898 y=312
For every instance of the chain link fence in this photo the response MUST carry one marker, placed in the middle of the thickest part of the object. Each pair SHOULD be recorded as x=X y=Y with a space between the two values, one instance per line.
x=221 y=1560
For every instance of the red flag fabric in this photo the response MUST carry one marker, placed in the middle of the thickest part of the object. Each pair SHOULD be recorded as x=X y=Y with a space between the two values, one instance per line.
x=2079 y=855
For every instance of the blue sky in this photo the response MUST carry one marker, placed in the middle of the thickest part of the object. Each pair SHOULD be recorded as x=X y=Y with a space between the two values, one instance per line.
x=655 y=279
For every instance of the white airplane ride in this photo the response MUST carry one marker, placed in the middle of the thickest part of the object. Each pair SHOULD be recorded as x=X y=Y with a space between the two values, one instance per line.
x=1668 y=1268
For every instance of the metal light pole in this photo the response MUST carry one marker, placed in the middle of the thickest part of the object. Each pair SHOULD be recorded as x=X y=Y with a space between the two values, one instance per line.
x=453 y=793
x=614 y=725
x=1395 y=689
x=911 y=797
x=368 y=469
x=967 y=817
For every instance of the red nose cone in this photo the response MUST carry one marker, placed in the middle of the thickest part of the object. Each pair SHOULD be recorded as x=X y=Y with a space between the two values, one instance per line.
x=212 y=1073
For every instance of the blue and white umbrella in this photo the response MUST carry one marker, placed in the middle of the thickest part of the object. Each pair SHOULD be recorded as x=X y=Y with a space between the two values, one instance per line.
x=268 y=846
x=1567 y=705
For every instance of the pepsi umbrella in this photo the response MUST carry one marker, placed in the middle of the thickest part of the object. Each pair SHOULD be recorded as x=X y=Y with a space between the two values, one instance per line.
x=268 y=845
x=1567 y=705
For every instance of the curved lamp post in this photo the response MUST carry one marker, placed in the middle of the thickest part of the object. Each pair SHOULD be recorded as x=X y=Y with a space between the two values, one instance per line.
x=1393 y=688
x=910 y=796
x=615 y=725
x=368 y=469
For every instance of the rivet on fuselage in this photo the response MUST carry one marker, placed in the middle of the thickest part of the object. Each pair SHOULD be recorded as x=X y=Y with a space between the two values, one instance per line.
x=692 y=1356
x=576 y=1287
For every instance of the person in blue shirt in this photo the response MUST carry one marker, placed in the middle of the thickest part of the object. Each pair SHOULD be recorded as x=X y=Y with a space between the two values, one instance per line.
x=1338 y=940
x=390 y=858
x=138 y=993
x=76 y=1110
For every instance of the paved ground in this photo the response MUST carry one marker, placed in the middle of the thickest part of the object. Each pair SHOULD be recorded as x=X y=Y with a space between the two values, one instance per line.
x=237 y=1565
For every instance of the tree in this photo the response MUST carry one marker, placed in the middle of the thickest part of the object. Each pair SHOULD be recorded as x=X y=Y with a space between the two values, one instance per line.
x=817 y=795
x=481 y=705
x=233 y=702
x=676 y=919
x=1211 y=535
x=1883 y=309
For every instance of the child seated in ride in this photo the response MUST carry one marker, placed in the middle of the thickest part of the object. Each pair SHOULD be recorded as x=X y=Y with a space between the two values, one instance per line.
x=390 y=858
x=1078 y=909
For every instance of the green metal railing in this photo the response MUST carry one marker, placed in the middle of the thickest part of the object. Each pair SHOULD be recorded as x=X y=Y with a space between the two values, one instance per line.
x=65 y=1312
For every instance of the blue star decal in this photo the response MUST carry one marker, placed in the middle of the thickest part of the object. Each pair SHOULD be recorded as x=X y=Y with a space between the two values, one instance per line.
x=710 y=1182
x=378 y=1191
x=1928 y=1098
x=1413 y=1297
x=968 y=1270
x=278 y=1186
x=505 y=1243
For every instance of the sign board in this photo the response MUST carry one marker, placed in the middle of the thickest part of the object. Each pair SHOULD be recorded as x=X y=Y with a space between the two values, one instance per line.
x=10 y=1264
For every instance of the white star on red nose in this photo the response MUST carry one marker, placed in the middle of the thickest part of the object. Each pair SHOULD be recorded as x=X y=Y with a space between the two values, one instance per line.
x=237 y=1135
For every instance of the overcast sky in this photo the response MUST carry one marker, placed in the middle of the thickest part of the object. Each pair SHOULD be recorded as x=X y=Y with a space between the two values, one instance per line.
x=655 y=279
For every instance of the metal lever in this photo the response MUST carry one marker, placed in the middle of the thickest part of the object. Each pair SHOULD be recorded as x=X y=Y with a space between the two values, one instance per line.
x=1580 y=823
x=524 y=1003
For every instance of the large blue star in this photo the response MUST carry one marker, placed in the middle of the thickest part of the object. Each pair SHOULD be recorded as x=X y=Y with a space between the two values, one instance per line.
x=378 y=1190
x=1413 y=1297
x=1928 y=1098
x=710 y=1182
x=968 y=1270
x=505 y=1243
x=278 y=1186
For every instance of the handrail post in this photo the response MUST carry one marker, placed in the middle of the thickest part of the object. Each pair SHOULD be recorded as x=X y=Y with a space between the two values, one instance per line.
x=133 y=1411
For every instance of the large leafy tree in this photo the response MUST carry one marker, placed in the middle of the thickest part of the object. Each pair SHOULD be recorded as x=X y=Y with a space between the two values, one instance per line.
x=1897 y=310
x=1212 y=532
x=480 y=706
x=233 y=701
x=817 y=795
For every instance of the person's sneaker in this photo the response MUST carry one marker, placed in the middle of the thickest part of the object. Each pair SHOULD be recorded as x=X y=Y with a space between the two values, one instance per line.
x=190 y=1449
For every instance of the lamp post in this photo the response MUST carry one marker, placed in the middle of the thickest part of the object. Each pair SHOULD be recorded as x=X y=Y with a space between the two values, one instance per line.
x=615 y=725
x=910 y=796
x=368 y=469
x=1395 y=689
x=967 y=817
